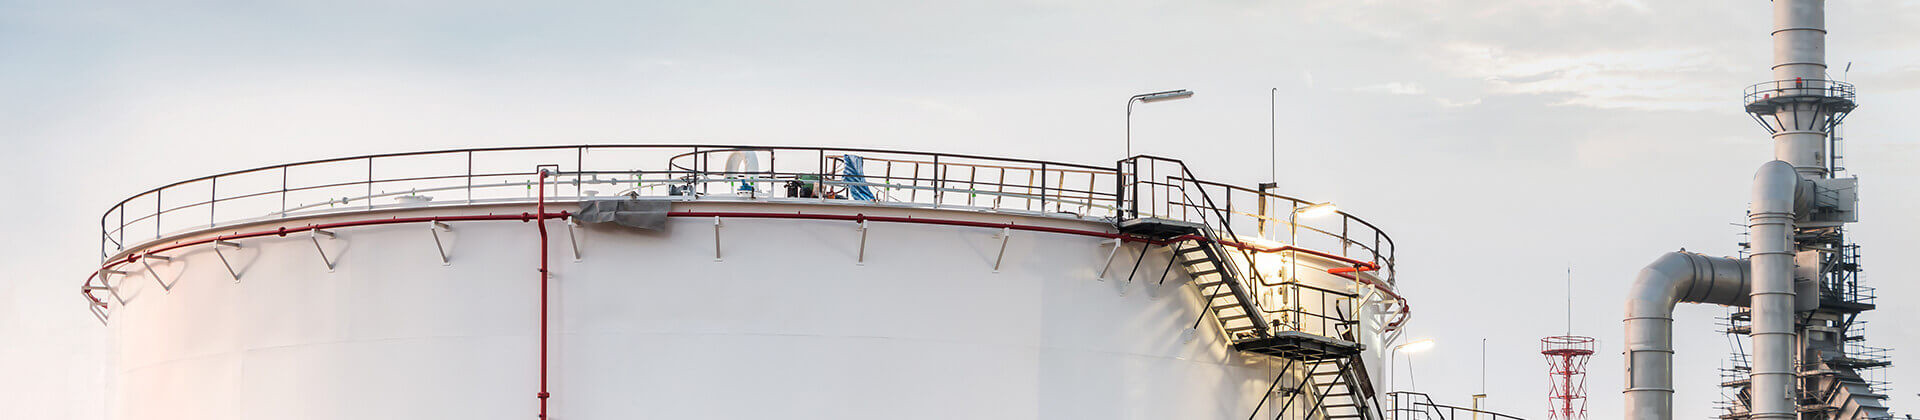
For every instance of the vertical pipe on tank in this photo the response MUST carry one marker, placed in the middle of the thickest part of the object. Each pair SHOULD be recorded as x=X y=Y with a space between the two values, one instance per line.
x=540 y=222
x=1770 y=226
x=1800 y=62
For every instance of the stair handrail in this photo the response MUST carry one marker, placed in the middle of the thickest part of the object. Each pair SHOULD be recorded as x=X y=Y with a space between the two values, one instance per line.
x=1245 y=291
x=1248 y=298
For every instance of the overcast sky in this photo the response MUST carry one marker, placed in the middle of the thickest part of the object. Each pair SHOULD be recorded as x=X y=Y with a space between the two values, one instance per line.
x=1498 y=141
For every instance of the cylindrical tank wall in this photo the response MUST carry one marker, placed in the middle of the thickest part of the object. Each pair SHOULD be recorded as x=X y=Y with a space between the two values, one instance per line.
x=786 y=324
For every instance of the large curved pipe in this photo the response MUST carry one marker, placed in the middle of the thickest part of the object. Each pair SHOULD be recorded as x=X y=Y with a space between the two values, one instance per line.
x=1673 y=278
x=1770 y=228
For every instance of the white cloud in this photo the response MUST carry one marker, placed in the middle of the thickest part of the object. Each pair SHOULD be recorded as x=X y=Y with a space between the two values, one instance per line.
x=1393 y=88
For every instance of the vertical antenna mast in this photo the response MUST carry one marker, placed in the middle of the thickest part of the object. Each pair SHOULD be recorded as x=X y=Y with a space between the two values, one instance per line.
x=1567 y=367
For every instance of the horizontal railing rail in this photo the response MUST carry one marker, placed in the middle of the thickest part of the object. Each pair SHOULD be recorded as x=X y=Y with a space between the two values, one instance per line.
x=1159 y=188
x=502 y=175
x=1788 y=88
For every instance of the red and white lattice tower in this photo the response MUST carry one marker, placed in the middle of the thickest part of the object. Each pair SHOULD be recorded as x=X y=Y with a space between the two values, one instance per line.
x=1567 y=375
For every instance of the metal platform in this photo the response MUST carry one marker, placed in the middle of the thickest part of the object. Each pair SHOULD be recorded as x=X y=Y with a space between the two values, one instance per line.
x=1301 y=346
x=1157 y=228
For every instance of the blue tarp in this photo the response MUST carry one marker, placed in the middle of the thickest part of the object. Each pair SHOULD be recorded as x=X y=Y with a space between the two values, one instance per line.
x=856 y=178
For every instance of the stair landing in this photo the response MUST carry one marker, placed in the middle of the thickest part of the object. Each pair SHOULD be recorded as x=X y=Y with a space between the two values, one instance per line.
x=1300 y=346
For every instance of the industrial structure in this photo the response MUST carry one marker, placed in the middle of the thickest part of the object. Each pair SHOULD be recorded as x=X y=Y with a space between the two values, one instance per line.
x=604 y=281
x=1567 y=375
x=727 y=281
x=1796 y=291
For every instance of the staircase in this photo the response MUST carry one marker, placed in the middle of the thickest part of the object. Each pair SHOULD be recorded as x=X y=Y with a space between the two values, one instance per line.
x=1339 y=397
x=1335 y=382
x=1218 y=278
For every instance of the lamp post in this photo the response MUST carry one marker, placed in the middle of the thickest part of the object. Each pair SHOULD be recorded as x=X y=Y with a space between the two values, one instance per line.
x=1147 y=98
x=1414 y=346
x=1273 y=136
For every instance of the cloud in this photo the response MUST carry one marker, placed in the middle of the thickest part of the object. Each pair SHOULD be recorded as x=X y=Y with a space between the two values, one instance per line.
x=1648 y=78
x=1393 y=88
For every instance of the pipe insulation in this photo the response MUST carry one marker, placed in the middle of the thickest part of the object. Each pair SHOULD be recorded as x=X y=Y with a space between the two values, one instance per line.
x=1673 y=278
x=1770 y=228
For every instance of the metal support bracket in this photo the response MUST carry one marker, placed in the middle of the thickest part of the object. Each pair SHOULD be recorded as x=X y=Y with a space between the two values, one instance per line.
x=572 y=239
x=1116 y=244
x=716 y=238
x=223 y=257
x=1005 y=234
x=315 y=235
x=1171 y=260
x=435 y=227
x=99 y=310
x=115 y=291
x=861 y=257
x=1136 y=269
x=156 y=274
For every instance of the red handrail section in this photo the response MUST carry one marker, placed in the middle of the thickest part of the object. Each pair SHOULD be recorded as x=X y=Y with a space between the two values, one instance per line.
x=1354 y=266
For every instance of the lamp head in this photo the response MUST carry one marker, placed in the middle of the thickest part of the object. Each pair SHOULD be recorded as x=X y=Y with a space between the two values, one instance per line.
x=1416 y=346
x=1165 y=96
x=1318 y=210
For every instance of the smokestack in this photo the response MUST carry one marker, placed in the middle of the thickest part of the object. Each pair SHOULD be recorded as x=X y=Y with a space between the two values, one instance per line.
x=1800 y=83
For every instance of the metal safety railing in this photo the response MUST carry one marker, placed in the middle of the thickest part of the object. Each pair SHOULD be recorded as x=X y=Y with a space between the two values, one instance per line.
x=1794 y=88
x=1420 y=406
x=1163 y=188
x=880 y=177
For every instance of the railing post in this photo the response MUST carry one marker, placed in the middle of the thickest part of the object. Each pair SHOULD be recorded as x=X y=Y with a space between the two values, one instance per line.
x=1227 y=220
x=1043 y=187
x=469 y=177
x=1344 y=243
x=369 y=197
x=213 y=201
x=1120 y=203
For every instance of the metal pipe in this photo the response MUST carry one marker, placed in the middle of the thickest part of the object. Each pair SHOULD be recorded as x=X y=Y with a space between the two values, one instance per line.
x=540 y=207
x=1673 y=278
x=1770 y=228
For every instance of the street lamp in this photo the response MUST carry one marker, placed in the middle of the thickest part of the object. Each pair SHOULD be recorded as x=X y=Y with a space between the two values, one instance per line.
x=1414 y=346
x=1149 y=98
x=1273 y=136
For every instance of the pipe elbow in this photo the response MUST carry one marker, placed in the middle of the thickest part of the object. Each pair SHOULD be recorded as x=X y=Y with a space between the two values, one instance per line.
x=1686 y=277
x=1657 y=288
x=1779 y=191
